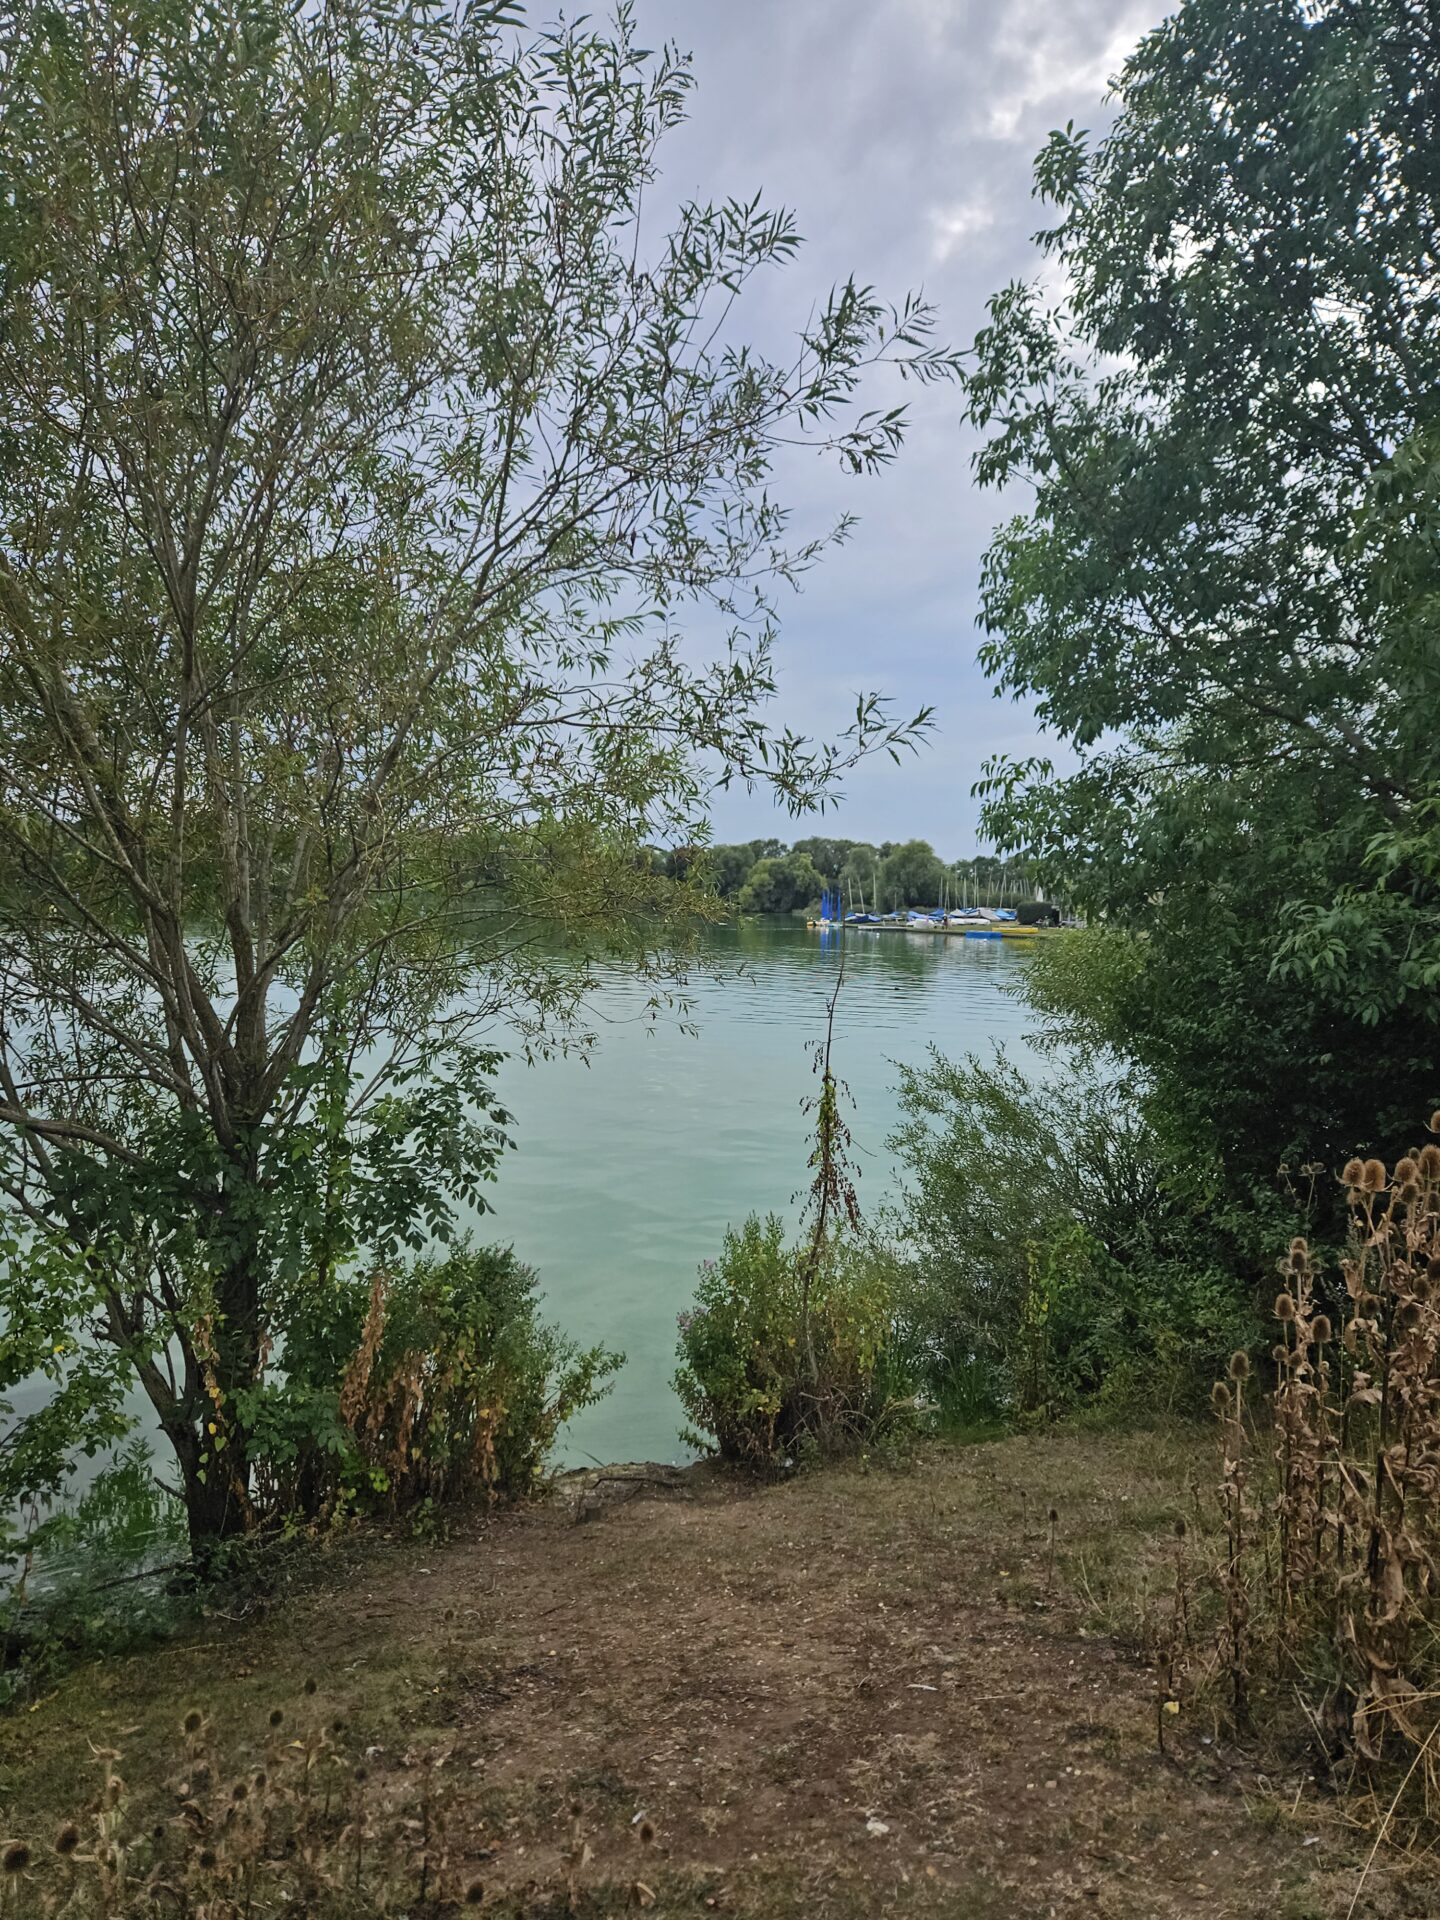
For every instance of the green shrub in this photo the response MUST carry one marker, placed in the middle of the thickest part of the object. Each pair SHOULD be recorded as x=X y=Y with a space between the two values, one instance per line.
x=94 y=1580
x=409 y=1390
x=780 y=1357
x=1049 y=1253
x=80 y=1410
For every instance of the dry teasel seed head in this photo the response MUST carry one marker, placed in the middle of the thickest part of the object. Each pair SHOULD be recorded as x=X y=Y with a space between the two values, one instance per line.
x=15 y=1857
x=1321 y=1331
x=647 y=1834
x=1430 y=1160
x=206 y=1859
x=475 y=1893
x=67 y=1840
x=1354 y=1174
x=1220 y=1397
x=1180 y=1518
x=1435 y=1121
x=1374 y=1172
x=240 y=1791
x=193 y=1721
x=1239 y=1364
x=277 y=1716
x=310 y=1685
x=1284 y=1307
x=1406 y=1168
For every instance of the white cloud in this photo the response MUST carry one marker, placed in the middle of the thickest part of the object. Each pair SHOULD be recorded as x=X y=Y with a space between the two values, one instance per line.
x=1057 y=58
x=953 y=225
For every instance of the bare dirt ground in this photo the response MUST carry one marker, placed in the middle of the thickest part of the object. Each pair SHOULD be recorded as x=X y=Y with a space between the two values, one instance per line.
x=861 y=1692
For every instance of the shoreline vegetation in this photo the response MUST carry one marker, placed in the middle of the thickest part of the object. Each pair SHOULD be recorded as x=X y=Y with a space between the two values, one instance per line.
x=369 y=466
x=767 y=877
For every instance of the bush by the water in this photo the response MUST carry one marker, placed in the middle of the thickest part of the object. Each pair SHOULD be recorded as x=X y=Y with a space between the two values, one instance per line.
x=410 y=1389
x=1046 y=1252
x=401 y=1392
x=92 y=1577
x=787 y=1349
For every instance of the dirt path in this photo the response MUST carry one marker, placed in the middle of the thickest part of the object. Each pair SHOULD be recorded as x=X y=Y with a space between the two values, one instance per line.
x=858 y=1693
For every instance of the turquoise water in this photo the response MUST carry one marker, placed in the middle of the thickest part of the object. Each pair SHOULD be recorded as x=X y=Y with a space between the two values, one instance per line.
x=629 y=1165
x=628 y=1169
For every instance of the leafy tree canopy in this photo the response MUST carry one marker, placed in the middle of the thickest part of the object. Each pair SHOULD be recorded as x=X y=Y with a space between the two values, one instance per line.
x=781 y=885
x=1224 y=592
x=912 y=875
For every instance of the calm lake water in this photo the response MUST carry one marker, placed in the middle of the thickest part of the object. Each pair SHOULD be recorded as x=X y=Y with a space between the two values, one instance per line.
x=629 y=1169
x=629 y=1166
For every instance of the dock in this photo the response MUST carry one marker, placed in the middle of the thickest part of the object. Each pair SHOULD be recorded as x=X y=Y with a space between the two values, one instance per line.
x=1008 y=932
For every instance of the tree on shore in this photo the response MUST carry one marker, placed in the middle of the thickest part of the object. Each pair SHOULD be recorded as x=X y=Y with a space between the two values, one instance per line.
x=360 y=456
x=782 y=885
x=1224 y=593
x=912 y=875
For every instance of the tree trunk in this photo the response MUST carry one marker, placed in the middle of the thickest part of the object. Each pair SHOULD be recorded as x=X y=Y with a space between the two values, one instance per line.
x=215 y=1509
x=217 y=1485
x=211 y=1437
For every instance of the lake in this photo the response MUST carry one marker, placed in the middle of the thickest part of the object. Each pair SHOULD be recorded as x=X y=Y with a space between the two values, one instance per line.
x=628 y=1169
x=629 y=1166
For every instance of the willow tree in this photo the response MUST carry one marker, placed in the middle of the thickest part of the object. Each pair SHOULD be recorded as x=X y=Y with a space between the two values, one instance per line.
x=364 y=458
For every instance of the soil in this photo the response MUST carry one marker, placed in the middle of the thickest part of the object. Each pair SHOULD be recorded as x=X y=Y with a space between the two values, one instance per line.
x=868 y=1690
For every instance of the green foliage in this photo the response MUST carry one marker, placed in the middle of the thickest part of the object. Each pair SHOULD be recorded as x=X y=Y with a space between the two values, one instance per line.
x=1223 y=595
x=858 y=875
x=757 y=1389
x=78 y=1388
x=912 y=876
x=781 y=885
x=762 y=876
x=406 y=1391
x=98 y=1581
x=1049 y=1251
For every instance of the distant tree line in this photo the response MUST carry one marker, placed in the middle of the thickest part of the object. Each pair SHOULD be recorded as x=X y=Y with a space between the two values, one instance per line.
x=765 y=876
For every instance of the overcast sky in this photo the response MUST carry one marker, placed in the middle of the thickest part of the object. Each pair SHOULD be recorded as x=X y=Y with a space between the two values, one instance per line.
x=902 y=133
